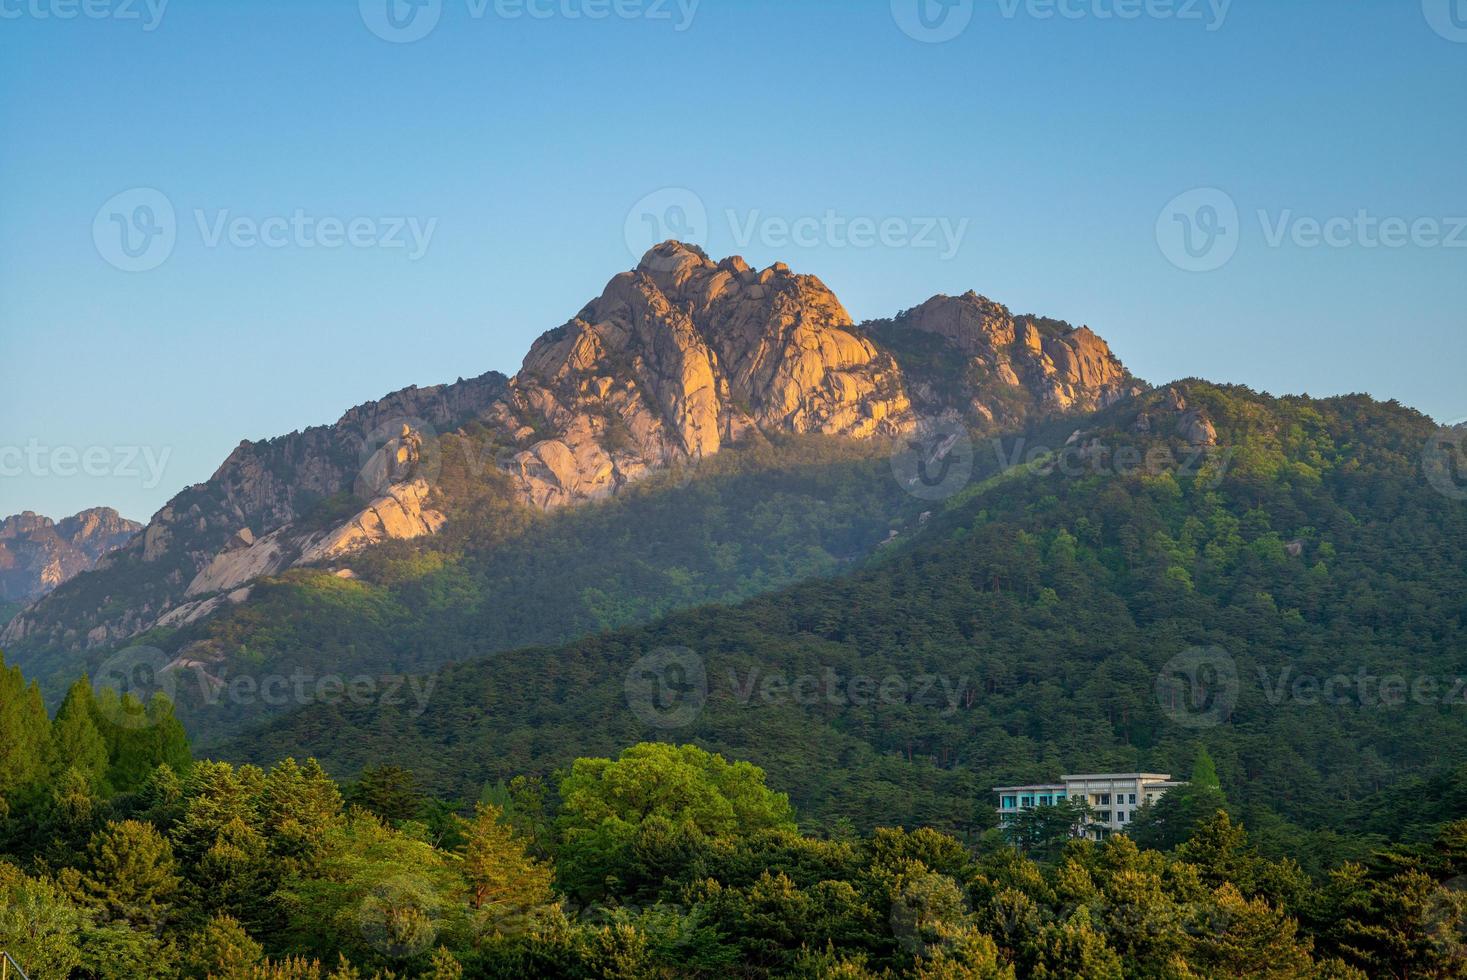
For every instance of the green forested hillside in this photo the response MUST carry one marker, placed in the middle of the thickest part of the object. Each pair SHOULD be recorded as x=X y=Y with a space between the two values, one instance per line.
x=1032 y=627
x=500 y=576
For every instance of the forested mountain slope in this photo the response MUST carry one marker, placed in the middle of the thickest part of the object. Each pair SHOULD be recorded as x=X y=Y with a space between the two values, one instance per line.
x=1097 y=612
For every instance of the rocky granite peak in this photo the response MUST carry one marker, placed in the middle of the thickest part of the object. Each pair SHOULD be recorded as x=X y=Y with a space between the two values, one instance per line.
x=682 y=356
x=1054 y=366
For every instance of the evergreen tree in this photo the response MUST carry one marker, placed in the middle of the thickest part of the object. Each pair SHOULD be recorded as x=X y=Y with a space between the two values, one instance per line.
x=223 y=950
x=505 y=885
x=76 y=742
x=25 y=733
x=130 y=875
x=391 y=792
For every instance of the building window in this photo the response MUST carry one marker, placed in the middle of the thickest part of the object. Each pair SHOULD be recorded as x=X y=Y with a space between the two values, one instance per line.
x=1044 y=800
x=1133 y=799
x=1010 y=802
x=1026 y=801
x=1120 y=816
x=1105 y=799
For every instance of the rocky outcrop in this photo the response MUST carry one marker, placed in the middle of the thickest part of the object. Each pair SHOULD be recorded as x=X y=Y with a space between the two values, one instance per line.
x=676 y=360
x=682 y=356
x=400 y=514
x=209 y=537
x=1018 y=367
x=38 y=554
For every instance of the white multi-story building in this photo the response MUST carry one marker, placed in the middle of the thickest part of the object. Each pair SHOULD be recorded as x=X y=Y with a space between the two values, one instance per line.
x=1114 y=798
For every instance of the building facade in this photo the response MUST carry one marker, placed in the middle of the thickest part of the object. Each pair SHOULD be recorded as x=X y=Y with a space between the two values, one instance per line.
x=1114 y=798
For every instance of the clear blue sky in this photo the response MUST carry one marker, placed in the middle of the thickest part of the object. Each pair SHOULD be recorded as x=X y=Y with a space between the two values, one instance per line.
x=1059 y=141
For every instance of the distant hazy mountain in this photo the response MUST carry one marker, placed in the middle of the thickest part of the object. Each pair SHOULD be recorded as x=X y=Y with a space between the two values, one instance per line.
x=37 y=554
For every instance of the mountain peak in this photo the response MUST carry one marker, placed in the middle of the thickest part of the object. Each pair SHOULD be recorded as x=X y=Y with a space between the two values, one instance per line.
x=37 y=554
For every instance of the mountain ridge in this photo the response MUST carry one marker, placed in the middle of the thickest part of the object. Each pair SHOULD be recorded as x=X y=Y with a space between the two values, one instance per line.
x=675 y=360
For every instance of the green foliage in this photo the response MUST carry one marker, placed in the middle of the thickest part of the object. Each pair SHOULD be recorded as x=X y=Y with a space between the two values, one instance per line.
x=25 y=732
x=707 y=877
x=623 y=822
x=391 y=792
x=129 y=876
x=38 y=926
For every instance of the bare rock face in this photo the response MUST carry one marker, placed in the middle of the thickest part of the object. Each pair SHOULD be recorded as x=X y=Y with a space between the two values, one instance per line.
x=682 y=356
x=244 y=521
x=38 y=554
x=1197 y=428
x=399 y=514
x=1051 y=365
x=676 y=360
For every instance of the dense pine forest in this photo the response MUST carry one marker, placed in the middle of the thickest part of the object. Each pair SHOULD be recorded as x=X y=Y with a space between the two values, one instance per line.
x=122 y=857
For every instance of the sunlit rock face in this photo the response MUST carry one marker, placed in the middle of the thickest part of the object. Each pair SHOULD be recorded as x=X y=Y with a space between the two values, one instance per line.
x=682 y=356
x=1022 y=366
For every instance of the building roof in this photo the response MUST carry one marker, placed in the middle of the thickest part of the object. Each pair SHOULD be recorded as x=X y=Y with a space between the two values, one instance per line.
x=1160 y=778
